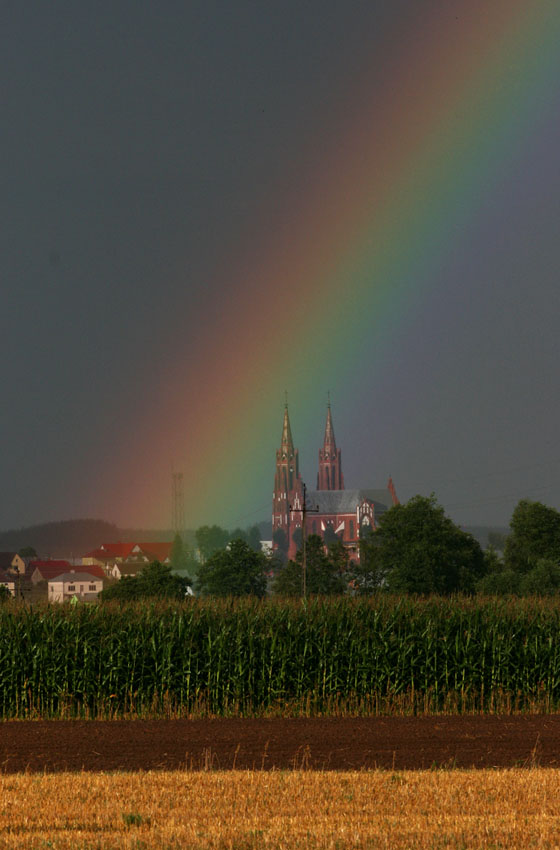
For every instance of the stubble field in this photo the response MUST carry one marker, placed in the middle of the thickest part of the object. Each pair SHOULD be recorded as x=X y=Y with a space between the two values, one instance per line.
x=515 y=808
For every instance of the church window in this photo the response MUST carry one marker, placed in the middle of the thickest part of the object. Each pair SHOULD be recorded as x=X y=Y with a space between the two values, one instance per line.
x=314 y=527
x=351 y=529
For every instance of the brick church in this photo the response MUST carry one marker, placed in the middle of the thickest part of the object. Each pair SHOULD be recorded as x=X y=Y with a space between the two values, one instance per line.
x=342 y=512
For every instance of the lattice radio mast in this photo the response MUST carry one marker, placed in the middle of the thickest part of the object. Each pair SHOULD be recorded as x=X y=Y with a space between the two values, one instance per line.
x=177 y=503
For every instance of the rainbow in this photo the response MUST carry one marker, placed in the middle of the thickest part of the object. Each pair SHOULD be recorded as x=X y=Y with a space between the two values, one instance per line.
x=411 y=157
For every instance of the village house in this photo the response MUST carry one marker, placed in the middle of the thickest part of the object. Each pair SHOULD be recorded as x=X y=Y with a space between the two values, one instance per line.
x=12 y=563
x=110 y=556
x=46 y=570
x=130 y=569
x=80 y=585
x=8 y=581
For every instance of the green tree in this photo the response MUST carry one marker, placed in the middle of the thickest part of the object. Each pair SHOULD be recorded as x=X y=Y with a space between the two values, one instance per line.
x=369 y=575
x=535 y=535
x=235 y=571
x=498 y=580
x=324 y=573
x=280 y=538
x=420 y=550
x=297 y=537
x=211 y=538
x=155 y=581
x=329 y=536
x=179 y=554
x=27 y=552
x=254 y=538
x=238 y=534
x=182 y=559
x=4 y=593
x=542 y=580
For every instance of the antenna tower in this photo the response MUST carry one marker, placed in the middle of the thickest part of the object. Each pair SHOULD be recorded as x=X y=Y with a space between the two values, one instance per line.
x=178 y=503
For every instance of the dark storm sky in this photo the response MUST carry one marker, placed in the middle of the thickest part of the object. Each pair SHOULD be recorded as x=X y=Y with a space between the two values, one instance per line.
x=139 y=141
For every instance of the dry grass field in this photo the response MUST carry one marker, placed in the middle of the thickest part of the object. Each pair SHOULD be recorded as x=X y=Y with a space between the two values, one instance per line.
x=518 y=808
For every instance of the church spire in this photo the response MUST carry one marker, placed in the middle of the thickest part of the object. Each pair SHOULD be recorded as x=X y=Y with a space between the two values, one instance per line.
x=287 y=443
x=329 y=441
x=330 y=465
x=287 y=490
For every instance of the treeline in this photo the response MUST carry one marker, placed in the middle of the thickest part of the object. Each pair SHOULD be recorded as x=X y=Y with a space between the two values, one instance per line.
x=416 y=549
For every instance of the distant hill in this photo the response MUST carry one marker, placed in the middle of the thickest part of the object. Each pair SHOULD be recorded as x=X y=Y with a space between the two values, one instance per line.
x=66 y=539
x=72 y=538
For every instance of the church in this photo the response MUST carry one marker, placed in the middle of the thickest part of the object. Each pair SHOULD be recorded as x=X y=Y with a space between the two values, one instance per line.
x=331 y=509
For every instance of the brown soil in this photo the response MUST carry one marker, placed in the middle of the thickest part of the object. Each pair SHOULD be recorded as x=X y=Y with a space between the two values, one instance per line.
x=323 y=744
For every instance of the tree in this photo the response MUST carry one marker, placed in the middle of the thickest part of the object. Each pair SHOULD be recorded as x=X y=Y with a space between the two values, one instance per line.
x=420 y=550
x=368 y=574
x=238 y=534
x=254 y=538
x=155 y=581
x=499 y=580
x=324 y=573
x=297 y=536
x=280 y=538
x=235 y=571
x=210 y=539
x=497 y=540
x=542 y=580
x=535 y=535
x=329 y=536
x=181 y=557
x=4 y=593
x=27 y=552
x=177 y=557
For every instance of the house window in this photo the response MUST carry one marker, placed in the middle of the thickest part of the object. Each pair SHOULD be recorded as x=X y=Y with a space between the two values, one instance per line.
x=71 y=587
x=93 y=587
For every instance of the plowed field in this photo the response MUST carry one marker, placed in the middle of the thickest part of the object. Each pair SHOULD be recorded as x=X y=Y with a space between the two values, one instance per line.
x=320 y=744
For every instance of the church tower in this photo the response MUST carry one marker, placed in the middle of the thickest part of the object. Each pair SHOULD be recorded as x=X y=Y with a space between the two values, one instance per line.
x=330 y=465
x=287 y=482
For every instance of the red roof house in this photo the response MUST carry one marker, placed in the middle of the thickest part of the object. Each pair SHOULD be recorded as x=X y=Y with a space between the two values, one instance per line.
x=45 y=570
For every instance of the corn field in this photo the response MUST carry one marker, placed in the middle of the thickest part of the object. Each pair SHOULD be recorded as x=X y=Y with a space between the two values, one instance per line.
x=323 y=657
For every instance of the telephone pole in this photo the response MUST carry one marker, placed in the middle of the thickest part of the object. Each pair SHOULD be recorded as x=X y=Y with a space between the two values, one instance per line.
x=304 y=511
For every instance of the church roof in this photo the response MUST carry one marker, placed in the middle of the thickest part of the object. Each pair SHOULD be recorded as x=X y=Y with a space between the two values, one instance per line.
x=346 y=501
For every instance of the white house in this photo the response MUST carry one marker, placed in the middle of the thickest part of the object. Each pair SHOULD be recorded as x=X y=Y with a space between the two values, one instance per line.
x=81 y=585
x=7 y=580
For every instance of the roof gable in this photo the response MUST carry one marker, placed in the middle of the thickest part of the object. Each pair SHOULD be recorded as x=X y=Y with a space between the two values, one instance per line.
x=75 y=577
x=157 y=551
x=118 y=550
x=6 y=559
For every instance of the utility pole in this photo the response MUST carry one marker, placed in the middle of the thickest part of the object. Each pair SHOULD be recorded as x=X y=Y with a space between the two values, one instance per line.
x=304 y=511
